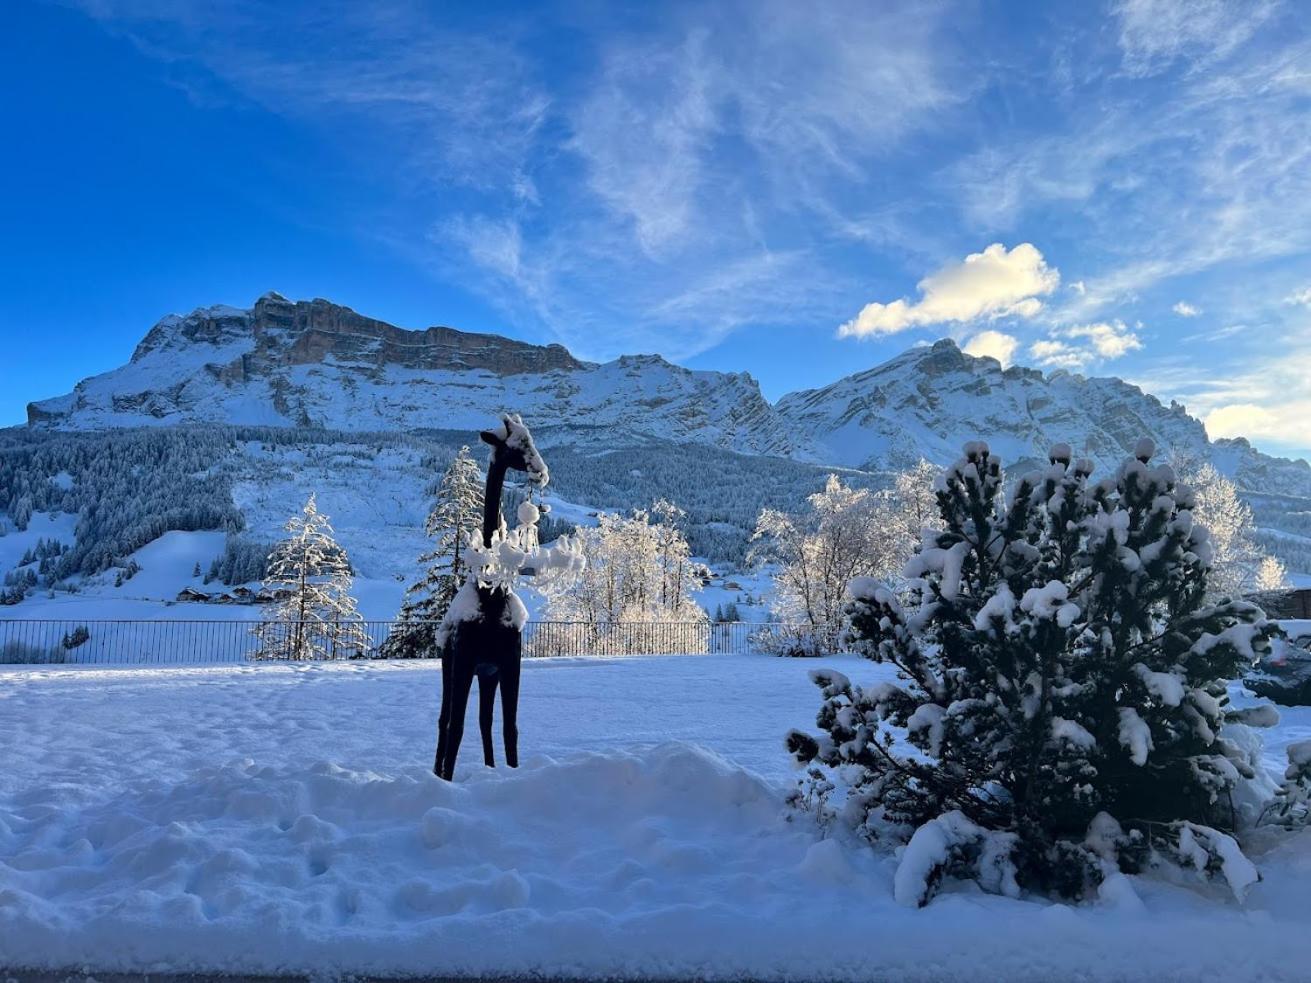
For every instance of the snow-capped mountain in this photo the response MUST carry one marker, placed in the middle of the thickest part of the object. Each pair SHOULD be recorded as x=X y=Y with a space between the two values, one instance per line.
x=926 y=401
x=316 y=363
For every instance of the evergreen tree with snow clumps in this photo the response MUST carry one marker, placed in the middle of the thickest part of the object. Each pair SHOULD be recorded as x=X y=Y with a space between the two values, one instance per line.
x=1062 y=688
x=456 y=513
x=314 y=615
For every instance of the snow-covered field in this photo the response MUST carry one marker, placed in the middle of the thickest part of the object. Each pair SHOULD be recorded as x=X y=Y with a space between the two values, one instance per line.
x=168 y=564
x=283 y=818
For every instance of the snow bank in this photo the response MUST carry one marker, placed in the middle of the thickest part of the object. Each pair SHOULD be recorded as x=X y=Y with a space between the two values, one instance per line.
x=283 y=819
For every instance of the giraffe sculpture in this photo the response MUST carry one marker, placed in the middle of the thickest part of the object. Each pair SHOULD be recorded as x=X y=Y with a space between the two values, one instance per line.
x=482 y=633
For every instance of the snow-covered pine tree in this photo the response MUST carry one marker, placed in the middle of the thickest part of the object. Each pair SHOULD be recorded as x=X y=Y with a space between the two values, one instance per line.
x=313 y=615
x=456 y=511
x=1062 y=688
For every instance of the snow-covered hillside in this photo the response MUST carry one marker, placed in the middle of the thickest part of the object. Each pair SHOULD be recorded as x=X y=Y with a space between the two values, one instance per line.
x=227 y=419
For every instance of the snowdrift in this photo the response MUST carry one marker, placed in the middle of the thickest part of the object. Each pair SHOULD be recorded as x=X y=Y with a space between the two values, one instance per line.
x=247 y=820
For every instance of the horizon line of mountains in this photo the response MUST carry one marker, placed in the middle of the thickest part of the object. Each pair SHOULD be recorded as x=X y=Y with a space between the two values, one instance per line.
x=319 y=364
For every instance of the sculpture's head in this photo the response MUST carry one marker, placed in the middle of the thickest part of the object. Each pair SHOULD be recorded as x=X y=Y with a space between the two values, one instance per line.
x=512 y=444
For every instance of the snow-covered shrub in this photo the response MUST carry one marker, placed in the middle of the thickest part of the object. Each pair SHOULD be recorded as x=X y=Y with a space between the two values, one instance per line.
x=75 y=638
x=844 y=533
x=1062 y=687
x=1292 y=803
x=638 y=571
x=22 y=653
x=795 y=641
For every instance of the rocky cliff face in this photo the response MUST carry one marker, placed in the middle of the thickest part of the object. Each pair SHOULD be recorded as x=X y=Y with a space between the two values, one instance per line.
x=314 y=363
x=284 y=333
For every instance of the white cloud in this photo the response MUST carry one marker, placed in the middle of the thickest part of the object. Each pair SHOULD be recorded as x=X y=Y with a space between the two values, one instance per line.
x=653 y=179
x=1153 y=184
x=993 y=344
x=1108 y=339
x=1077 y=347
x=751 y=107
x=1217 y=334
x=1279 y=421
x=1301 y=297
x=1155 y=33
x=1238 y=420
x=991 y=284
x=1263 y=395
x=1053 y=354
x=1185 y=309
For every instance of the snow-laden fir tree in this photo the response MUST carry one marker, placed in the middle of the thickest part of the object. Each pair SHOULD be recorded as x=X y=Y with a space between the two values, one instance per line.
x=1061 y=694
x=456 y=512
x=313 y=615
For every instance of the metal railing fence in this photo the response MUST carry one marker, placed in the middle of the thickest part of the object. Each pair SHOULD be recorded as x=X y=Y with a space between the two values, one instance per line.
x=176 y=642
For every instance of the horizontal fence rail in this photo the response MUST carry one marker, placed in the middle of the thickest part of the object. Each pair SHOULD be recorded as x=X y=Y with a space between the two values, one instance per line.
x=101 y=642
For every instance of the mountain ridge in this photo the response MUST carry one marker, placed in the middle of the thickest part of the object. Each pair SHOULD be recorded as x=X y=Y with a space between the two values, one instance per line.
x=317 y=363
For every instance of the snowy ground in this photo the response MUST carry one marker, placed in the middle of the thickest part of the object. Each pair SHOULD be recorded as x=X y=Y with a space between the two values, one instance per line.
x=283 y=818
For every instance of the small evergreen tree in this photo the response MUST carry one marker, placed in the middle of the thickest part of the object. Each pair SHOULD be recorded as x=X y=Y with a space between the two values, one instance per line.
x=1062 y=687
x=313 y=615
x=456 y=512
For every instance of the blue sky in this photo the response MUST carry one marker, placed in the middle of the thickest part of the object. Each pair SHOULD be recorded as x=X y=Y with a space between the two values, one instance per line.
x=795 y=190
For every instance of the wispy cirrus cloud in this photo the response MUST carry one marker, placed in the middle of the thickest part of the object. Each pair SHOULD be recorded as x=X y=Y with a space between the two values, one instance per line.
x=1154 y=34
x=445 y=106
x=673 y=162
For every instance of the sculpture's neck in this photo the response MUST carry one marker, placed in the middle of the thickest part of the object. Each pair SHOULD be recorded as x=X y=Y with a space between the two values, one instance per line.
x=492 y=499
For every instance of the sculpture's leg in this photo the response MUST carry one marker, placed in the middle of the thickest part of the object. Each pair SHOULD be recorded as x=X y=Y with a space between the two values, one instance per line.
x=462 y=672
x=444 y=719
x=510 y=706
x=487 y=682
